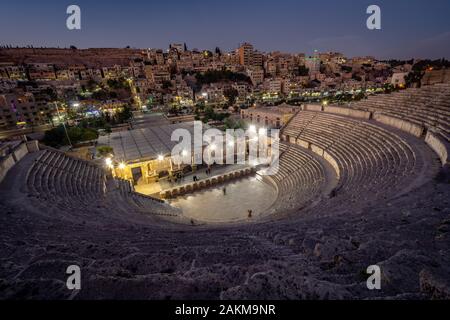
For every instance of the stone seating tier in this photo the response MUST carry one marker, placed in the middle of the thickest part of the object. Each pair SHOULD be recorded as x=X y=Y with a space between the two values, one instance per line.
x=366 y=157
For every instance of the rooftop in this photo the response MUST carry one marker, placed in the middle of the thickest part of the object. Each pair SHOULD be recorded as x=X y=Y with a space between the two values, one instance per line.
x=143 y=143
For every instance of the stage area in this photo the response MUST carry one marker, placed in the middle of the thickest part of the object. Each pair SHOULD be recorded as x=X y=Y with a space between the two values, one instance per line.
x=214 y=206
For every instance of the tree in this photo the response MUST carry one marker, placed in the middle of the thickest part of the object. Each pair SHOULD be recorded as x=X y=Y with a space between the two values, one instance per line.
x=234 y=124
x=125 y=114
x=101 y=95
x=210 y=114
x=103 y=151
x=207 y=54
x=108 y=129
x=91 y=85
x=50 y=119
x=231 y=95
x=51 y=93
x=166 y=84
x=302 y=71
x=120 y=83
x=220 y=75
x=56 y=137
x=346 y=68
x=414 y=77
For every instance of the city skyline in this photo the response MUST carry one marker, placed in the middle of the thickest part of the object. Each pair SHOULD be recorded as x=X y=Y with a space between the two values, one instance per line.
x=409 y=30
x=221 y=157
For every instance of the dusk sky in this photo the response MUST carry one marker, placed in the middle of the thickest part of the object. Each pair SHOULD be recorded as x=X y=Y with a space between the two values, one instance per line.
x=409 y=28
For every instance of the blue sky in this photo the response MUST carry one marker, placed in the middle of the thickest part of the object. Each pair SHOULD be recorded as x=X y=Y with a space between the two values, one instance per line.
x=413 y=28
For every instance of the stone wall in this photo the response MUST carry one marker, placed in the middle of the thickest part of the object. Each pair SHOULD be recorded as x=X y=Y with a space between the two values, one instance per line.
x=317 y=150
x=348 y=112
x=438 y=146
x=403 y=125
x=302 y=143
x=5 y=164
x=33 y=146
x=332 y=162
x=20 y=151
x=312 y=107
x=436 y=76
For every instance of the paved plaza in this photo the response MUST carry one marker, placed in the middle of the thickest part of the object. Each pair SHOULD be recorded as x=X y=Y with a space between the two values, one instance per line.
x=215 y=206
x=212 y=205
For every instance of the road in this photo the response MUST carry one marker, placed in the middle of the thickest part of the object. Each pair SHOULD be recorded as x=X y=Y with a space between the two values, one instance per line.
x=17 y=132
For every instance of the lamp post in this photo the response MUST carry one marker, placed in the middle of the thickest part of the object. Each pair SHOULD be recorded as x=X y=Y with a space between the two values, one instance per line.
x=122 y=167
x=64 y=125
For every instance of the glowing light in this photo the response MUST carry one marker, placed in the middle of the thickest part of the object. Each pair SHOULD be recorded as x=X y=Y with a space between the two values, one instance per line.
x=122 y=166
x=262 y=131
x=108 y=162
x=184 y=153
x=252 y=128
x=160 y=157
x=213 y=147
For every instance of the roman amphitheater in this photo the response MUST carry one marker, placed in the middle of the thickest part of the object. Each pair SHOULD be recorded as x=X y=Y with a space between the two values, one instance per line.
x=358 y=185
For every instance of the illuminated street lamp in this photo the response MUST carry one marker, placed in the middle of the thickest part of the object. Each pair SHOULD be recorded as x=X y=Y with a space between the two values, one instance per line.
x=64 y=125
x=108 y=162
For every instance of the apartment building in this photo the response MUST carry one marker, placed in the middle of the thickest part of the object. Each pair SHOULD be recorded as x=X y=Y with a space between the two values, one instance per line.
x=41 y=71
x=246 y=54
x=12 y=71
x=20 y=109
x=273 y=85
x=256 y=74
x=157 y=74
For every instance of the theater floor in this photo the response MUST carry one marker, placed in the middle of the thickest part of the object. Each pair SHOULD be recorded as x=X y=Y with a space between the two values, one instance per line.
x=213 y=206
